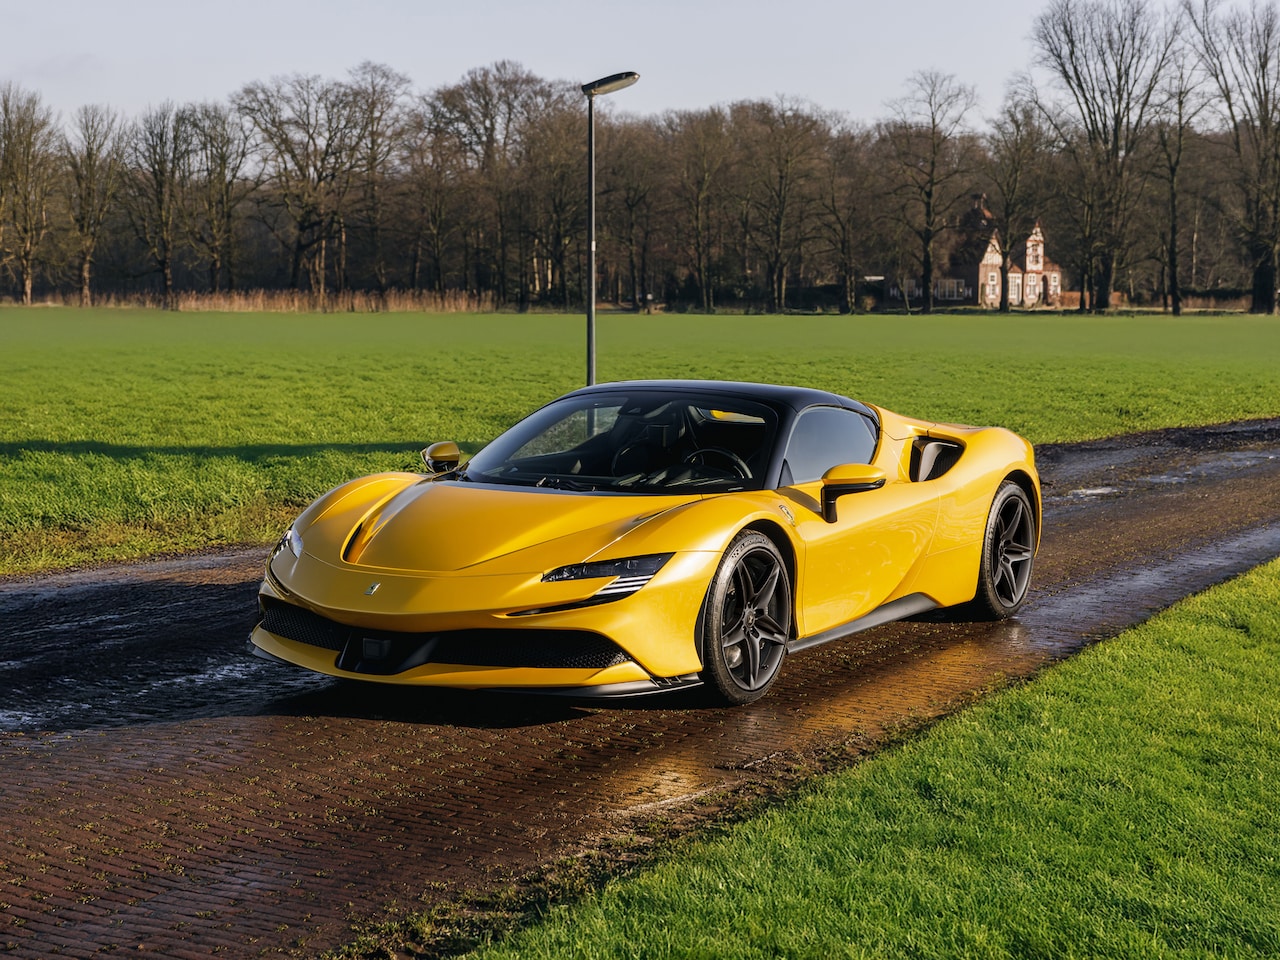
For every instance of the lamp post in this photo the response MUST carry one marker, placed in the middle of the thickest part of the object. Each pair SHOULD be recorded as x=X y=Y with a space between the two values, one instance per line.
x=596 y=88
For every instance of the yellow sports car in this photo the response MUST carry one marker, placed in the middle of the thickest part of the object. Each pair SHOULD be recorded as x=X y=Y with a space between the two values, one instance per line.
x=638 y=537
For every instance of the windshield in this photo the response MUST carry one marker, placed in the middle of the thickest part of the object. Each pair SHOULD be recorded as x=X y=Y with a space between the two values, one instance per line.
x=634 y=442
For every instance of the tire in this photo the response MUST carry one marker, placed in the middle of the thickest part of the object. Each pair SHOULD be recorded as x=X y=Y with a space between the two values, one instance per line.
x=746 y=621
x=1008 y=553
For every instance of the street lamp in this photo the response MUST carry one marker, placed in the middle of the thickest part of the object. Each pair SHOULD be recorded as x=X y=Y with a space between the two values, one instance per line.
x=596 y=88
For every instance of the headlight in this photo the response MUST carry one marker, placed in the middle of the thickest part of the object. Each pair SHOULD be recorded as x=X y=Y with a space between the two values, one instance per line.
x=629 y=575
x=291 y=541
x=631 y=568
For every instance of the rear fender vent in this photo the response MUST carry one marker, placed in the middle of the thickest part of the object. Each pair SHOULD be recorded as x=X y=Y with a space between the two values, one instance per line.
x=932 y=458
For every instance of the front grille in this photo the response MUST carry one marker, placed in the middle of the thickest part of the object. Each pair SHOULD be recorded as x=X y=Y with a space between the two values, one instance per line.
x=387 y=652
x=528 y=648
x=294 y=623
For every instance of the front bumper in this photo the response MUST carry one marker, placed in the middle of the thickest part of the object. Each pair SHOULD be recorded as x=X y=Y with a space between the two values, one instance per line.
x=512 y=632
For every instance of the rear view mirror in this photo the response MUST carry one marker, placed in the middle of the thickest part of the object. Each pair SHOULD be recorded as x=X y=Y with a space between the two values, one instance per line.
x=848 y=478
x=442 y=457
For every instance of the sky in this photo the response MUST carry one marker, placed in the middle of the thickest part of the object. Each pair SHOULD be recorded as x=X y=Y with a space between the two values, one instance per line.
x=852 y=56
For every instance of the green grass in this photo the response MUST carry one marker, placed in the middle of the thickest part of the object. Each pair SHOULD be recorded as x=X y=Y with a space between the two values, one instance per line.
x=1122 y=805
x=125 y=433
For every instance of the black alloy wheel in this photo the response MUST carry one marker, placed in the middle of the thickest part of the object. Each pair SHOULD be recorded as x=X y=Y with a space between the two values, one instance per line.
x=746 y=620
x=1008 y=553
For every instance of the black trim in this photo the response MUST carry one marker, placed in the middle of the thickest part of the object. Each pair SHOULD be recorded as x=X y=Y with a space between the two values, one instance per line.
x=795 y=397
x=594 y=600
x=831 y=492
x=899 y=609
x=600 y=691
x=609 y=691
x=389 y=652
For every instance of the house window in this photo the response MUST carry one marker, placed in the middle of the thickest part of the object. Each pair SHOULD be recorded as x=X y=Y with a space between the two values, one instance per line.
x=1053 y=284
x=1033 y=290
x=950 y=289
x=1015 y=288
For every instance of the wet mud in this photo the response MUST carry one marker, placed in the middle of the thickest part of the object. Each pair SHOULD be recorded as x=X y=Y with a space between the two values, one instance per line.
x=161 y=791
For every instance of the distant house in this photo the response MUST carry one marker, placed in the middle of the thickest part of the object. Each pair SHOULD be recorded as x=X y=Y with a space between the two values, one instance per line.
x=1034 y=280
x=971 y=276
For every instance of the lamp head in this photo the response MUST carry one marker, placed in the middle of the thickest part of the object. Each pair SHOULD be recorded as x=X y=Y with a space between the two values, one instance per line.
x=610 y=84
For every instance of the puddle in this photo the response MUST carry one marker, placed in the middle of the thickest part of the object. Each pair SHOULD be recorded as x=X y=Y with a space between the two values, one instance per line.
x=1143 y=471
x=1087 y=493
x=1060 y=624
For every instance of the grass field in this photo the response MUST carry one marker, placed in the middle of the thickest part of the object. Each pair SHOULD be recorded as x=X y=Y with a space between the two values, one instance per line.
x=1123 y=805
x=127 y=432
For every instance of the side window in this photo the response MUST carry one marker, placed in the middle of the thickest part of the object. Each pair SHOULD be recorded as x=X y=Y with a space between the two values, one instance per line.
x=824 y=437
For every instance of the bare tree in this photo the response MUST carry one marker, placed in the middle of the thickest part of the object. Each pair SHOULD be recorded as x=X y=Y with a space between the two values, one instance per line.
x=931 y=158
x=1182 y=102
x=1240 y=52
x=28 y=174
x=552 y=160
x=379 y=93
x=630 y=175
x=308 y=129
x=434 y=170
x=91 y=154
x=699 y=145
x=156 y=154
x=217 y=185
x=488 y=112
x=847 y=202
x=1109 y=58
x=781 y=145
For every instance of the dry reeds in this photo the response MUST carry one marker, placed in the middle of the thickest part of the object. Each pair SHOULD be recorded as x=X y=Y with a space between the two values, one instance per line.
x=294 y=301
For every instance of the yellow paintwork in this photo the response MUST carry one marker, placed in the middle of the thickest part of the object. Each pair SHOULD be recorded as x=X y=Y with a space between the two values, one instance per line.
x=453 y=556
x=892 y=528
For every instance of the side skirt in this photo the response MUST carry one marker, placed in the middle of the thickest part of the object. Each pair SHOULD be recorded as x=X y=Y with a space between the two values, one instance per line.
x=899 y=609
x=609 y=691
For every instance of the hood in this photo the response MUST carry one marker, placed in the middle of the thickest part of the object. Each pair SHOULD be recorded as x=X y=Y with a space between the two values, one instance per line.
x=449 y=526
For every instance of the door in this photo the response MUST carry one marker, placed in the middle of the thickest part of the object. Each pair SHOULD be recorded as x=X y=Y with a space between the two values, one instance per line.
x=850 y=567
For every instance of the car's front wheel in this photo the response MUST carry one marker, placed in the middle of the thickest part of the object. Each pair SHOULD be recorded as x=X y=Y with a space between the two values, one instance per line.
x=1008 y=552
x=746 y=620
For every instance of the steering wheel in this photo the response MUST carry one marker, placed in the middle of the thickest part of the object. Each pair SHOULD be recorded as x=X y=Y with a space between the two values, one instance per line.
x=735 y=462
x=619 y=465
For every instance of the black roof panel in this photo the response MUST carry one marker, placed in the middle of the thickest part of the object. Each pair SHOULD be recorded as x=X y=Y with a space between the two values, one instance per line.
x=795 y=397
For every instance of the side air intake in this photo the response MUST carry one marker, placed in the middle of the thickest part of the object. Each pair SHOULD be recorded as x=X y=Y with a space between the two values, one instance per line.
x=931 y=458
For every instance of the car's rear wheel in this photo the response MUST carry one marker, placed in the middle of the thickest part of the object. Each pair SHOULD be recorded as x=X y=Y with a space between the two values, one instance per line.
x=746 y=620
x=1008 y=553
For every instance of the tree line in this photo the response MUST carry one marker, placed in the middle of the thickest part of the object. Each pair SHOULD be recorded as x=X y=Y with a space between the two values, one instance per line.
x=1147 y=144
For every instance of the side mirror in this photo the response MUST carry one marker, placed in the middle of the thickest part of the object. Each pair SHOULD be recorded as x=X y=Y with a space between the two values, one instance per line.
x=442 y=457
x=845 y=479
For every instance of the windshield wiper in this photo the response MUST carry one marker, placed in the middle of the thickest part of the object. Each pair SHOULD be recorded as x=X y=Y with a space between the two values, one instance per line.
x=560 y=482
